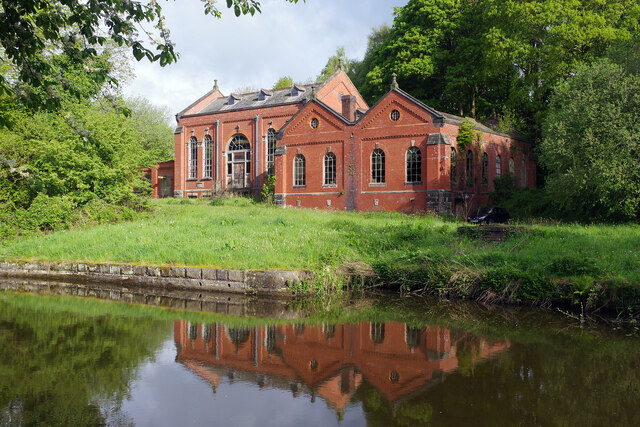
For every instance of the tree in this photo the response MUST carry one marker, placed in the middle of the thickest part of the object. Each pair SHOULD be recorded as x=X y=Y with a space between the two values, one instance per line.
x=591 y=144
x=333 y=64
x=79 y=28
x=477 y=57
x=283 y=82
x=152 y=125
x=360 y=68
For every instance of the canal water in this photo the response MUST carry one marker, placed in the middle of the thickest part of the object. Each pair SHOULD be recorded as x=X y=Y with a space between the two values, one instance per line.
x=242 y=361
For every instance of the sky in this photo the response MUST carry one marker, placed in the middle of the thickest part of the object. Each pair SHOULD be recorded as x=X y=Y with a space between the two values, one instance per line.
x=285 y=39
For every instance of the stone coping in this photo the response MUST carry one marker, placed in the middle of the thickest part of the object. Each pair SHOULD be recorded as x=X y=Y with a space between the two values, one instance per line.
x=272 y=306
x=195 y=278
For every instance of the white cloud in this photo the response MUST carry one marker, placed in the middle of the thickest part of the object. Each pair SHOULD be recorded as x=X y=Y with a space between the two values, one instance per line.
x=285 y=39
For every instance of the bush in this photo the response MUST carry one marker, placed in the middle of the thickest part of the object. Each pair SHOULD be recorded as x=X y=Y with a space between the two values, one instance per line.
x=48 y=213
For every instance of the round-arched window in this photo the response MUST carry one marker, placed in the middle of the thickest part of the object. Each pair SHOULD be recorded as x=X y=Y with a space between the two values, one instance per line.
x=239 y=162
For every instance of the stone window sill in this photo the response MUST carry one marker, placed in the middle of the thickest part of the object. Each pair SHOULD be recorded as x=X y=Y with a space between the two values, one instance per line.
x=330 y=186
x=377 y=184
x=413 y=183
x=208 y=178
x=299 y=186
x=192 y=179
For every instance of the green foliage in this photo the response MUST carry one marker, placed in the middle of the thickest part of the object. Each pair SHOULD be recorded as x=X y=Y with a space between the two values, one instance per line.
x=466 y=136
x=268 y=189
x=521 y=203
x=492 y=58
x=574 y=265
x=417 y=253
x=155 y=136
x=333 y=63
x=283 y=83
x=591 y=145
x=79 y=29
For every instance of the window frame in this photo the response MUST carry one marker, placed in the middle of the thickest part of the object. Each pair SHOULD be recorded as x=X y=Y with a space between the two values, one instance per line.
x=299 y=171
x=193 y=158
x=378 y=171
x=329 y=170
x=270 y=152
x=485 y=169
x=413 y=165
x=238 y=143
x=207 y=158
x=468 y=170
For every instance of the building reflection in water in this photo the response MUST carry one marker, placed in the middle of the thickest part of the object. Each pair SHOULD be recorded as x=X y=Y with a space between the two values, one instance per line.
x=330 y=361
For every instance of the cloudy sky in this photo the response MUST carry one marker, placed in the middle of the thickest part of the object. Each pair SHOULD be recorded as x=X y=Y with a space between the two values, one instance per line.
x=286 y=39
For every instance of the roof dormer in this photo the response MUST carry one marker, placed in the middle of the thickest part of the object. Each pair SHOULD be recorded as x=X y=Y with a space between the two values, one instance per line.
x=264 y=94
x=296 y=90
x=233 y=99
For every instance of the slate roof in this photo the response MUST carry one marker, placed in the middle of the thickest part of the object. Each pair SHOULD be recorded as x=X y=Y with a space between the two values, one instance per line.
x=263 y=98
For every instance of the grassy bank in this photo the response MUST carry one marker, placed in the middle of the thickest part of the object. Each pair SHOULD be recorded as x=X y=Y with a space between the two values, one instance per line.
x=542 y=263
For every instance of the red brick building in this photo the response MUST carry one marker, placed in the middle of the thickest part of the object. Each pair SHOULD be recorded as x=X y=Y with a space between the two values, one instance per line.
x=327 y=360
x=328 y=149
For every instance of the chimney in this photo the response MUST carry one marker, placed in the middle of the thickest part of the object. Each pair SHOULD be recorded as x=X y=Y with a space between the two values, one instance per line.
x=349 y=107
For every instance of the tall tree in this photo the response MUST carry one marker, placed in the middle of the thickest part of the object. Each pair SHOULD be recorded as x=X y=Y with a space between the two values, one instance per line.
x=333 y=63
x=283 y=82
x=474 y=57
x=591 y=144
x=77 y=28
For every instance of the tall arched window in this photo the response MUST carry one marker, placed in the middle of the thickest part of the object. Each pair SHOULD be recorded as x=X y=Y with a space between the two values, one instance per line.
x=377 y=332
x=330 y=169
x=523 y=171
x=377 y=166
x=485 y=169
x=238 y=162
x=193 y=158
x=512 y=167
x=271 y=151
x=469 y=168
x=498 y=166
x=299 y=173
x=208 y=152
x=454 y=169
x=414 y=165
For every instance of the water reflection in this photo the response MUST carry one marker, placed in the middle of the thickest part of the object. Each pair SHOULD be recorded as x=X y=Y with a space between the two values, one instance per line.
x=331 y=361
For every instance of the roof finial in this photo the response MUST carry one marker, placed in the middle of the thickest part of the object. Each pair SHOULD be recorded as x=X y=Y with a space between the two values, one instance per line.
x=314 y=95
x=394 y=82
x=215 y=85
x=340 y=64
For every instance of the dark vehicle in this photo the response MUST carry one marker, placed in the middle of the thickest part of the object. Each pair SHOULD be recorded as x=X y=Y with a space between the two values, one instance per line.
x=489 y=215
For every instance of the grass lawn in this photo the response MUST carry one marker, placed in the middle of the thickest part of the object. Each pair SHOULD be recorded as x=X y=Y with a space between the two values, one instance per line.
x=403 y=250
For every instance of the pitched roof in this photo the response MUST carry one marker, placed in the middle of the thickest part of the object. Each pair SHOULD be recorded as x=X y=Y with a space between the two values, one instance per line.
x=298 y=93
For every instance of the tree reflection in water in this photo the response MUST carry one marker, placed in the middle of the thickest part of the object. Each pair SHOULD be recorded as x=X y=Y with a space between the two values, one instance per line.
x=56 y=368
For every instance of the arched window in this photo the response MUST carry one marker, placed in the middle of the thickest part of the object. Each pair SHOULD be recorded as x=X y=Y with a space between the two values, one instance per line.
x=412 y=336
x=485 y=169
x=414 y=165
x=299 y=172
x=208 y=152
x=469 y=168
x=454 y=169
x=193 y=158
x=239 y=162
x=330 y=169
x=329 y=330
x=271 y=151
x=512 y=167
x=498 y=166
x=377 y=332
x=523 y=171
x=377 y=166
